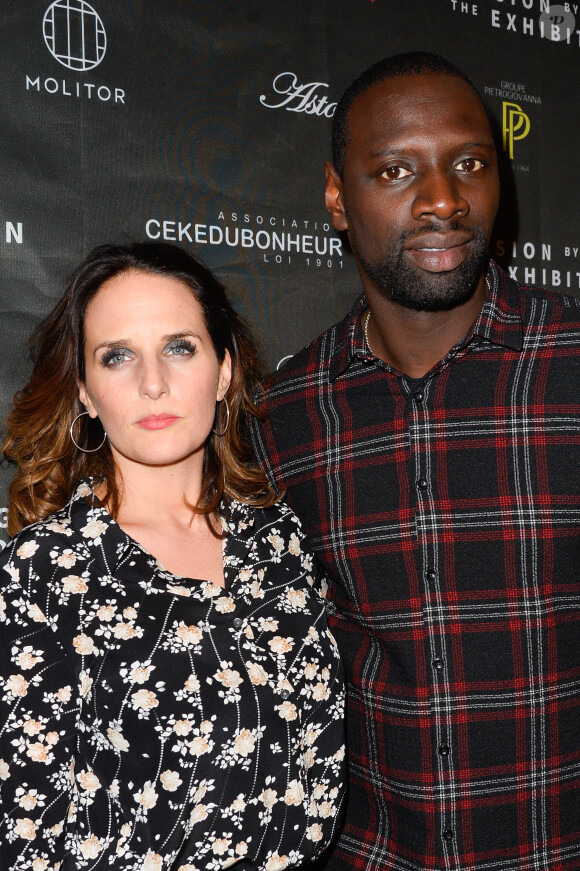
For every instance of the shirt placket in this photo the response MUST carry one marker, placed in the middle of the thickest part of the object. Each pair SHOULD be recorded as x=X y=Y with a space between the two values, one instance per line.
x=423 y=451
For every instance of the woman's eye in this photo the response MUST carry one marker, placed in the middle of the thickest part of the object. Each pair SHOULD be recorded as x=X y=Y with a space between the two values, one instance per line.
x=115 y=357
x=181 y=348
x=394 y=173
x=470 y=164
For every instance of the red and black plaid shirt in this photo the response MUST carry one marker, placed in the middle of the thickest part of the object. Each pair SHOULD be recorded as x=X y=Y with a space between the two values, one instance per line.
x=447 y=514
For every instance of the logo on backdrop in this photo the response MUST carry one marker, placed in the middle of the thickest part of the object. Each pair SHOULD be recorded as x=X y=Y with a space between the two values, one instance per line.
x=74 y=34
x=531 y=263
x=558 y=22
x=516 y=121
x=13 y=232
x=294 y=97
x=516 y=126
x=274 y=239
x=3 y=525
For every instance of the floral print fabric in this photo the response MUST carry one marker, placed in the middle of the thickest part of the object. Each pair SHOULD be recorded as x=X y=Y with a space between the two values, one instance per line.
x=154 y=722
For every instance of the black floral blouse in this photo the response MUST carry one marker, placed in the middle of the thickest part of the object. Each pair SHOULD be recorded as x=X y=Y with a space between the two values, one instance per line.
x=154 y=722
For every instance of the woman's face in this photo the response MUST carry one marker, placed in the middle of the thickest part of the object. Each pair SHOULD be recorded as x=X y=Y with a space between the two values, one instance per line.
x=151 y=372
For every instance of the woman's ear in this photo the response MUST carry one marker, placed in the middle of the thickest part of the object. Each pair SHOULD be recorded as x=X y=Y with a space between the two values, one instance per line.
x=86 y=400
x=225 y=377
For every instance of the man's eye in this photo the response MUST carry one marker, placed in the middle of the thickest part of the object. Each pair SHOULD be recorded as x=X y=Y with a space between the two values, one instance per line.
x=470 y=164
x=394 y=173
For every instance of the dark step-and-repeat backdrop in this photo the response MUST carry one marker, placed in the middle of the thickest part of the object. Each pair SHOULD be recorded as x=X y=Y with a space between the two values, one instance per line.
x=207 y=123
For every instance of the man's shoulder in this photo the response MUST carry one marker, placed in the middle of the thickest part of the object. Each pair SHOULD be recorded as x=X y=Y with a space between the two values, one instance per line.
x=551 y=324
x=528 y=317
x=313 y=362
x=559 y=306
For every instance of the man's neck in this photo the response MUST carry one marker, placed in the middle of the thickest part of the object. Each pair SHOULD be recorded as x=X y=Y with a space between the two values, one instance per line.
x=414 y=341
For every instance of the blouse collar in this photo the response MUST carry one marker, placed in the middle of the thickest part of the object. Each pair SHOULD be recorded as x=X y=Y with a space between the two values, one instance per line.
x=107 y=543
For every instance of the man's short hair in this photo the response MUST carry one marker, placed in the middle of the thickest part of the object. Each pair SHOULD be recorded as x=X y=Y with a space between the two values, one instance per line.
x=411 y=63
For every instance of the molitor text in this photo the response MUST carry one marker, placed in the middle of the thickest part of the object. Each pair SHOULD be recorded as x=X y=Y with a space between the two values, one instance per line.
x=76 y=89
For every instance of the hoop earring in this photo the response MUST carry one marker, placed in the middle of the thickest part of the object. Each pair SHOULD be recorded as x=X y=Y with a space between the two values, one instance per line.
x=224 y=431
x=76 y=444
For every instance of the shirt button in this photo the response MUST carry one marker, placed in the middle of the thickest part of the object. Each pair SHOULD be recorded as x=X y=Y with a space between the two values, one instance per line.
x=418 y=396
x=448 y=834
x=422 y=483
x=438 y=664
x=285 y=694
x=431 y=575
x=238 y=623
x=444 y=750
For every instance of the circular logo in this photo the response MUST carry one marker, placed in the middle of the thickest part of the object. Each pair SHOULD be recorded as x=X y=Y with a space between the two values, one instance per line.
x=558 y=23
x=74 y=34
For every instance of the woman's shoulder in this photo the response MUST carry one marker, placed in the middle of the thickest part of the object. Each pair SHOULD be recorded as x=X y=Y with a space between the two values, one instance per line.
x=55 y=532
x=253 y=521
x=280 y=512
x=274 y=535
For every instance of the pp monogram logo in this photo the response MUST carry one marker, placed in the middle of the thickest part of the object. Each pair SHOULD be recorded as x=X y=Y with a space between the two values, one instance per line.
x=516 y=125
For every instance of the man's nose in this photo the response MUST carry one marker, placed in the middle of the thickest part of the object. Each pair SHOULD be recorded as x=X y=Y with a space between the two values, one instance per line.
x=439 y=195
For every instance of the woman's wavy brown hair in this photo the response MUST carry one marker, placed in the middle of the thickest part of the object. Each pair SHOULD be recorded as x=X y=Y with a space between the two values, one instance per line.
x=49 y=466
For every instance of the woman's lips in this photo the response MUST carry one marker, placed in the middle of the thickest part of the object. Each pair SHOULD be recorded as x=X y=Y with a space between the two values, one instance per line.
x=157 y=421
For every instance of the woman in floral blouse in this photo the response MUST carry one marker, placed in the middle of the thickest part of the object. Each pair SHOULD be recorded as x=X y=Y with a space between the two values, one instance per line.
x=170 y=695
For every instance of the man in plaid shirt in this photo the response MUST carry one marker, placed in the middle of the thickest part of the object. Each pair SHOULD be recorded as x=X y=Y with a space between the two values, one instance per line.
x=430 y=444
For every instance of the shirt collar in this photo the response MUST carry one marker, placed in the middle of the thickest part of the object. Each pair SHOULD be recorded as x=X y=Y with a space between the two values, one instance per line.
x=350 y=340
x=100 y=533
x=500 y=322
x=500 y=319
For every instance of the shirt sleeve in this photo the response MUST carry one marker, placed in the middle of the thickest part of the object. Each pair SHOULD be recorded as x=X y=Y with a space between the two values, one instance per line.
x=38 y=716
x=261 y=438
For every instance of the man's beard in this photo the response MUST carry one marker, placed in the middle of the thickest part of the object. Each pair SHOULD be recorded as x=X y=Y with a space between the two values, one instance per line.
x=402 y=282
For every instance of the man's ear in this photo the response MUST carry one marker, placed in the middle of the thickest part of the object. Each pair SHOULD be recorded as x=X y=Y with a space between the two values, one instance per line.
x=334 y=198
x=86 y=400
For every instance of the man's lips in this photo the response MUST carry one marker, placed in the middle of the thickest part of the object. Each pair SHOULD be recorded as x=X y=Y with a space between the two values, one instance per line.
x=438 y=252
x=157 y=421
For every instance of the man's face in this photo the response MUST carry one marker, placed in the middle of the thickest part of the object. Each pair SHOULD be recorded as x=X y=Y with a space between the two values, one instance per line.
x=419 y=191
